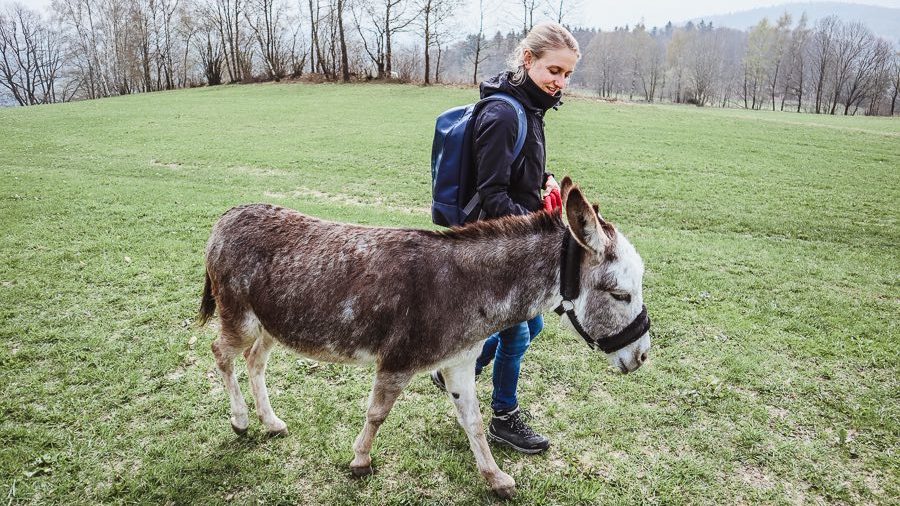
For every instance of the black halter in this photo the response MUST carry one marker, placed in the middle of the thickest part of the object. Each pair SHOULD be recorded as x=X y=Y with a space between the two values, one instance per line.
x=569 y=275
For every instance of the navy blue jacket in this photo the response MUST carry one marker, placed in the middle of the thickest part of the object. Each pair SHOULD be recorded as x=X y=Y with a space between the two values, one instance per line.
x=510 y=186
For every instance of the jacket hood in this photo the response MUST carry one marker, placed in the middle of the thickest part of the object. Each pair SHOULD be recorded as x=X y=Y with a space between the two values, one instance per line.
x=528 y=93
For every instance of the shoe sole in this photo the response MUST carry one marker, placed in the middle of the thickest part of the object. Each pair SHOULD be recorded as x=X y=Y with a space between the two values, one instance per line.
x=528 y=451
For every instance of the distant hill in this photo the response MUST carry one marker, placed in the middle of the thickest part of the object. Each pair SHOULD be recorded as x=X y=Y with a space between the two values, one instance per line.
x=884 y=21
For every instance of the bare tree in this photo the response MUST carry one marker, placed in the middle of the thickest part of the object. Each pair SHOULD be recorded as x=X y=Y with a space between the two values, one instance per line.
x=227 y=15
x=603 y=61
x=677 y=57
x=796 y=63
x=372 y=37
x=434 y=14
x=165 y=26
x=779 y=47
x=705 y=61
x=867 y=75
x=212 y=55
x=895 y=81
x=561 y=10
x=647 y=58
x=442 y=33
x=851 y=43
x=731 y=73
x=78 y=19
x=756 y=63
x=822 y=52
x=386 y=18
x=314 y=50
x=30 y=56
x=396 y=20
x=298 y=53
x=528 y=8
x=476 y=44
x=345 y=60
x=265 y=18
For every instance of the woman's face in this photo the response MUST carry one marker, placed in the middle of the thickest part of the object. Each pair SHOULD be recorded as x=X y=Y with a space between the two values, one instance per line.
x=552 y=70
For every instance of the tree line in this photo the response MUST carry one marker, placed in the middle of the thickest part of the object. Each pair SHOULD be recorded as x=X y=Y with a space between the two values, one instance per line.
x=85 y=49
x=830 y=67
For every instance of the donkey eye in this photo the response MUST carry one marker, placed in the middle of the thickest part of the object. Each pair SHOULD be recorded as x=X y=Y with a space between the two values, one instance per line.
x=624 y=297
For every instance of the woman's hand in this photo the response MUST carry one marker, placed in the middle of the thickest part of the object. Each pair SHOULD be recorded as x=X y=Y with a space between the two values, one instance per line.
x=551 y=184
x=552 y=197
x=553 y=201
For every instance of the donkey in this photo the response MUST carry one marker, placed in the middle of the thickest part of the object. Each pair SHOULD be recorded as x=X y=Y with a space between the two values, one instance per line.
x=414 y=300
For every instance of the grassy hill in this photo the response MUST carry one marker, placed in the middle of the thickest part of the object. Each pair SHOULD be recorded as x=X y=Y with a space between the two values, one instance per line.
x=770 y=241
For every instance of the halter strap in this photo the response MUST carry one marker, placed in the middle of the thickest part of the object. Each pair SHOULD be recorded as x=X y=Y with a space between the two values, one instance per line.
x=569 y=288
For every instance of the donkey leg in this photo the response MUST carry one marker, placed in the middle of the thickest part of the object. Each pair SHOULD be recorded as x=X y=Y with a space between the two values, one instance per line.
x=256 y=368
x=225 y=348
x=385 y=391
x=460 y=381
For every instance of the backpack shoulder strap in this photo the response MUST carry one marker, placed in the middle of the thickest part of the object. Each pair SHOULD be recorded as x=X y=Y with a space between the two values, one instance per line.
x=520 y=116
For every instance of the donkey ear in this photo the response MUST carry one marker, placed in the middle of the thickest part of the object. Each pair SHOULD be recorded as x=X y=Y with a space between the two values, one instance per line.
x=564 y=189
x=585 y=222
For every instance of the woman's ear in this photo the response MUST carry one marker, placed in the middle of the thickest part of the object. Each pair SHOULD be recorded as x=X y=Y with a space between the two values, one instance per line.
x=528 y=59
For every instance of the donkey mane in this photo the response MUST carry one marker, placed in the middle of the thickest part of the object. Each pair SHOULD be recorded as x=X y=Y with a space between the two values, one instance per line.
x=506 y=226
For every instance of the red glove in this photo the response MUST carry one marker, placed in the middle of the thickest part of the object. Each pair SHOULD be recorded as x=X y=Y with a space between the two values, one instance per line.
x=553 y=201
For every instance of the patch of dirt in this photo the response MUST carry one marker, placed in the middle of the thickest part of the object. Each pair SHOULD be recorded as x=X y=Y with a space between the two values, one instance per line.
x=352 y=200
x=260 y=171
x=800 y=494
x=755 y=477
x=873 y=483
x=743 y=391
x=168 y=165
x=778 y=413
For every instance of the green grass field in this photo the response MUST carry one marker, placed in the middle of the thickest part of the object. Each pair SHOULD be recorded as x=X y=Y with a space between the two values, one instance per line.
x=773 y=280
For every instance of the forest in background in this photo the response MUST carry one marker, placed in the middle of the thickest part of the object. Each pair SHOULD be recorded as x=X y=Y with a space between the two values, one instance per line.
x=85 y=49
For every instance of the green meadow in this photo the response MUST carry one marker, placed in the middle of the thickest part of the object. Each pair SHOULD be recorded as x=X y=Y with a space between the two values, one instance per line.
x=773 y=281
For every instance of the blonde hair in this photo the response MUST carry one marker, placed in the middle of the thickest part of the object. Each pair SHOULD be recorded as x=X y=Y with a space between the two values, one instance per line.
x=542 y=38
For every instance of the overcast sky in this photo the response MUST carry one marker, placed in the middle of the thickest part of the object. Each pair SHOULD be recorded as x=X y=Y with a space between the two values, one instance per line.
x=608 y=14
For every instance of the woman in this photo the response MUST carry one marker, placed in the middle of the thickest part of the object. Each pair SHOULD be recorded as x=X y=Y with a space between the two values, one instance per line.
x=543 y=62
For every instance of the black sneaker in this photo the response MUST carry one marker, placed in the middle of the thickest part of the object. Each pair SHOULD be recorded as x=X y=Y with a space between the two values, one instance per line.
x=511 y=430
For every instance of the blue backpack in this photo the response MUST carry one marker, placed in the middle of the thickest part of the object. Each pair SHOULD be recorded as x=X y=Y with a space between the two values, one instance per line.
x=453 y=173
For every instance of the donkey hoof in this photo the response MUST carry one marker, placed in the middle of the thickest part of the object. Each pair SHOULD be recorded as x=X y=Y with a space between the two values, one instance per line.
x=504 y=486
x=239 y=428
x=505 y=492
x=359 y=472
x=283 y=432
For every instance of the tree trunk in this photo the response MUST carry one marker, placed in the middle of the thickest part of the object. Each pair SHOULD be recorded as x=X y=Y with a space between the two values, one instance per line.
x=426 y=11
x=437 y=66
x=387 y=41
x=345 y=61
x=477 y=56
x=894 y=102
x=313 y=35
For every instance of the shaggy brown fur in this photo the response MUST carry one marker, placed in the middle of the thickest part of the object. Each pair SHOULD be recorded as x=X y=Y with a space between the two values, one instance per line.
x=411 y=298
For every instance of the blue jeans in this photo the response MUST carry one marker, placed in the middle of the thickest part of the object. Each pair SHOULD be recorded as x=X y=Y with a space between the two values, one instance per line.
x=508 y=347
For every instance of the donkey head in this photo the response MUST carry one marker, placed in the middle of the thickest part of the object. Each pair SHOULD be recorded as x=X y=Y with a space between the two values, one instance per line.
x=610 y=300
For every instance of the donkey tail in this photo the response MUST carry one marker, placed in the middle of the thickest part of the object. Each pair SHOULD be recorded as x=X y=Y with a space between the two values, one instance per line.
x=207 y=303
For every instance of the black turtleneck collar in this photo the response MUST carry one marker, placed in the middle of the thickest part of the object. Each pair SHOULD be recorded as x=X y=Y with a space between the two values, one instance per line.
x=528 y=93
x=538 y=96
